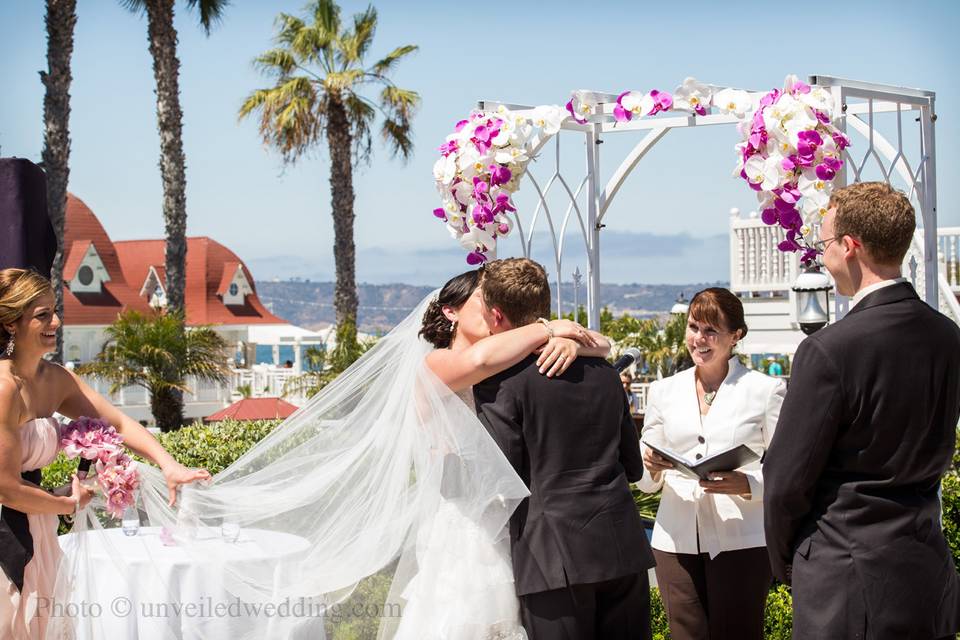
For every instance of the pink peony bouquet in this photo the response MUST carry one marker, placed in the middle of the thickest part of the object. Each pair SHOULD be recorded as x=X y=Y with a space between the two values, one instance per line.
x=99 y=443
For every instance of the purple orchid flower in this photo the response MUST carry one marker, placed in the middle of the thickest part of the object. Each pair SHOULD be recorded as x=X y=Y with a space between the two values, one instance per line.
x=809 y=255
x=499 y=174
x=503 y=228
x=448 y=147
x=460 y=125
x=770 y=216
x=662 y=101
x=824 y=172
x=440 y=213
x=821 y=116
x=769 y=99
x=621 y=115
x=811 y=136
x=573 y=113
x=503 y=204
x=790 y=163
x=841 y=140
x=475 y=257
x=482 y=214
x=801 y=87
x=791 y=220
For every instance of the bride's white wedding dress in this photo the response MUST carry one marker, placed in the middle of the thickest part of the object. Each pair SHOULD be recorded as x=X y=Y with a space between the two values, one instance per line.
x=358 y=478
x=464 y=588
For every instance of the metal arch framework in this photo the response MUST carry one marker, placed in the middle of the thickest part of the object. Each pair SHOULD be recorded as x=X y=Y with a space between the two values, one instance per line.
x=857 y=100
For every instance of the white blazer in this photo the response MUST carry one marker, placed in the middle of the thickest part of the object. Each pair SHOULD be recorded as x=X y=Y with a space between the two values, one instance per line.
x=744 y=411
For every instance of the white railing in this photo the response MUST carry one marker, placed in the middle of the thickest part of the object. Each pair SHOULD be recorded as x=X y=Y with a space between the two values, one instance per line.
x=641 y=390
x=756 y=264
x=948 y=239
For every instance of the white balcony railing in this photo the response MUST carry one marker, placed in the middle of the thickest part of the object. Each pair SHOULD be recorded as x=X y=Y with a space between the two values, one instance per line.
x=949 y=241
x=755 y=262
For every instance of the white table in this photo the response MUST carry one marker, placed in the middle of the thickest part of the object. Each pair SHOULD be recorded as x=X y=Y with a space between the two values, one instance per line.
x=145 y=590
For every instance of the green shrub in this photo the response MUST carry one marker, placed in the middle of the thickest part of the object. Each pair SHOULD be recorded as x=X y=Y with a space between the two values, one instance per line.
x=647 y=503
x=658 y=616
x=778 y=617
x=951 y=505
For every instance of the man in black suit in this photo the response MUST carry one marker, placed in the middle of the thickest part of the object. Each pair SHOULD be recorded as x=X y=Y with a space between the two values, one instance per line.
x=851 y=505
x=580 y=553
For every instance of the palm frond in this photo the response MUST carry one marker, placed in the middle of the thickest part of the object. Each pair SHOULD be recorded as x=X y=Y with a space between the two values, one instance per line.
x=291 y=117
x=342 y=81
x=211 y=12
x=385 y=65
x=313 y=44
x=276 y=62
x=353 y=44
x=361 y=115
x=326 y=13
x=288 y=27
x=397 y=136
x=401 y=103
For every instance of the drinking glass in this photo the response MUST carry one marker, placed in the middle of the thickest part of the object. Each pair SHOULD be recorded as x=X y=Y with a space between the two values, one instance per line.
x=130 y=521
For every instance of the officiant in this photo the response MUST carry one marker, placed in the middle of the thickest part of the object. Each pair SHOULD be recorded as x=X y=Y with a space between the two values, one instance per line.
x=712 y=564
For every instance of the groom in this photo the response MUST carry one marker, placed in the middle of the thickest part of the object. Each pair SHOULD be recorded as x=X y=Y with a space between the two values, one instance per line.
x=580 y=554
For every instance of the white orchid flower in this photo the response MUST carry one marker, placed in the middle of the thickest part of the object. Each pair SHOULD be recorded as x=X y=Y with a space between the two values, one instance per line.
x=445 y=169
x=510 y=155
x=765 y=172
x=549 y=118
x=693 y=96
x=819 y=98
x=637 y=103
x=816 y=193
x=734 y=101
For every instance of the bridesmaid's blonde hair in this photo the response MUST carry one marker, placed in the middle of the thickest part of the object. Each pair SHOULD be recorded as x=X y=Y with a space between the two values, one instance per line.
x=19 y=288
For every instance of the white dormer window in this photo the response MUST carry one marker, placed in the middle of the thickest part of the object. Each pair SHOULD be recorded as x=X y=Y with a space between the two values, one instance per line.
x=237 y=286
x=91 y=274
x=153 y=289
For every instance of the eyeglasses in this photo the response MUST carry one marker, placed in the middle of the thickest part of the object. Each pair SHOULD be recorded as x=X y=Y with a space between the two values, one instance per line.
x=821 y=245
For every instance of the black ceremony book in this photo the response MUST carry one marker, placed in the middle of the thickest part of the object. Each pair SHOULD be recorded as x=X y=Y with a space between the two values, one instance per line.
x=726 y=460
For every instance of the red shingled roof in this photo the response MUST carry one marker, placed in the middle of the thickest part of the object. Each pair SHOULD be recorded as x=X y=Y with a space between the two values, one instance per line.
x=81 y=230
x=254 y=409
x=210 y=268
x=207 y=263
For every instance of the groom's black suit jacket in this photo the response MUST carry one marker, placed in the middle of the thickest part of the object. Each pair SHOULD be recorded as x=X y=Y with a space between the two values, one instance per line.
x=866 y=432
x=572 y=440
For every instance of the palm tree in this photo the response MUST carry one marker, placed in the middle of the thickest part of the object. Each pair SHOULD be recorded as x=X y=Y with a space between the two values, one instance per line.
x=162 y=37
x=61 y=19
x=319 y=71
x=152 y=351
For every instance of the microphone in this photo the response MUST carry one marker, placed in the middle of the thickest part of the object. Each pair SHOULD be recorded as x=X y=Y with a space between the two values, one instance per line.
x=83 y=468
x=629 y=356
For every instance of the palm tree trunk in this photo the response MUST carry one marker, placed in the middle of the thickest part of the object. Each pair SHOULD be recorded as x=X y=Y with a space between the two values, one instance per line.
x=166 y=69
x=61 y=19
x=166 y=405
x=340 y=140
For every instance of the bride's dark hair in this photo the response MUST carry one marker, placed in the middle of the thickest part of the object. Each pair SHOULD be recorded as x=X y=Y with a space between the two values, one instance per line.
x=436 y=329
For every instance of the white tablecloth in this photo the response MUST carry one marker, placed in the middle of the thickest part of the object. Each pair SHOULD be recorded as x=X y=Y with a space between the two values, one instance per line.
x=145 y=590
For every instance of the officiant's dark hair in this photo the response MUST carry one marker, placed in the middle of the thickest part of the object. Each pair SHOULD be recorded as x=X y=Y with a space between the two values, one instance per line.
x=436 y=329
x=719 y=307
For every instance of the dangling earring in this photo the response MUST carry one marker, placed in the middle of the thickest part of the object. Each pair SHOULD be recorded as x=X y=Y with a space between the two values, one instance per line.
x=453 y=326
x=10 y=346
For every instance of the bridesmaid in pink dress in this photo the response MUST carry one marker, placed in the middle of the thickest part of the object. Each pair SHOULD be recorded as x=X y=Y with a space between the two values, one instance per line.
x=31 y=391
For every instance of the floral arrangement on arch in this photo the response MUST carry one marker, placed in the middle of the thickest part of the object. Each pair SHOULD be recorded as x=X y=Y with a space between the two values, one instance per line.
x=95 y=440
x=480 y=168
x=789 y=155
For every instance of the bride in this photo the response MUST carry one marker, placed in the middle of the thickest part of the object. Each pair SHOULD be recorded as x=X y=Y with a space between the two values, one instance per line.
x=385 y=476
x=464 y=588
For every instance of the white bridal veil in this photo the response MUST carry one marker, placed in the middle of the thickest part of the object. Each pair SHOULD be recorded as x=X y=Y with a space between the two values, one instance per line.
x=330 y=506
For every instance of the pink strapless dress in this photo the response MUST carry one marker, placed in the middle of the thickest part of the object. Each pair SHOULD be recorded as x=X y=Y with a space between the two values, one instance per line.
x=23 y=613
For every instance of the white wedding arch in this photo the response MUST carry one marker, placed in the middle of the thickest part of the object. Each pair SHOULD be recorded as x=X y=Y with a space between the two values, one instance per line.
x=908 y=159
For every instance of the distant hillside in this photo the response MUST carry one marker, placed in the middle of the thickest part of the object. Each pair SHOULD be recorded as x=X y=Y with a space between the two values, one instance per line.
x=382 y=306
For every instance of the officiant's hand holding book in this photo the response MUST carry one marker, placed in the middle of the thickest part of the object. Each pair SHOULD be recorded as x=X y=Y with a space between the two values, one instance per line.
x=716 y=472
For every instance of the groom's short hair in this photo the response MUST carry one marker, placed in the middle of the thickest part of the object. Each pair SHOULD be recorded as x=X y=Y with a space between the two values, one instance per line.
x=518 y=287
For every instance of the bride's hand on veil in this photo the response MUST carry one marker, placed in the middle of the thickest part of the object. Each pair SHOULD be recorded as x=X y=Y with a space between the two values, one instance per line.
x=176 y=474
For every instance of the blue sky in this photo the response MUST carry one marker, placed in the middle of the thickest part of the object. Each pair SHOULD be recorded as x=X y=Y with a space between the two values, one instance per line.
x=669 y=223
